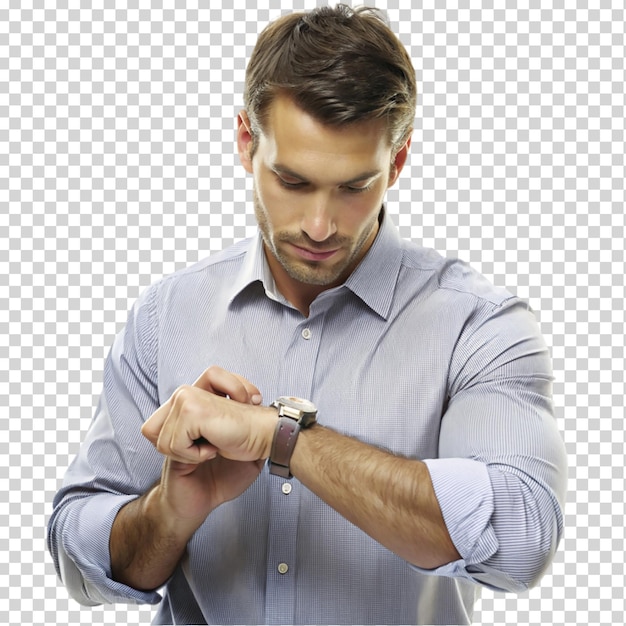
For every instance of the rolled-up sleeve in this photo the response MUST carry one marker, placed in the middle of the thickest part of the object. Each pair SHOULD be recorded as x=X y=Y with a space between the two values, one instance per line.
x=500 y=476
x=115 y=464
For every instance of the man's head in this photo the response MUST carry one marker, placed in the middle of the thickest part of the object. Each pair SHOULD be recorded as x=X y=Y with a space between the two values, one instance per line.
x=340 y=65
x=330 y=106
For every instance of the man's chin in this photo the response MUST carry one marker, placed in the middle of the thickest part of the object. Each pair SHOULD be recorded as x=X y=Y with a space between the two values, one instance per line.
x=313 y=274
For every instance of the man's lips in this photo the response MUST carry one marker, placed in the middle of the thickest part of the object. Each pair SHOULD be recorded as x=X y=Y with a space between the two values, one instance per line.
x=313 y=255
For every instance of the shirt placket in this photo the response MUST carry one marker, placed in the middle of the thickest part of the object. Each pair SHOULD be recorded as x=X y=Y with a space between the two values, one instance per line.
x=282 y=568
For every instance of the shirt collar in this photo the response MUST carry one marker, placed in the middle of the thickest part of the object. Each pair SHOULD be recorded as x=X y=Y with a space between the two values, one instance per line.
x=375 y=278
x=255 y=269
x=373 y=281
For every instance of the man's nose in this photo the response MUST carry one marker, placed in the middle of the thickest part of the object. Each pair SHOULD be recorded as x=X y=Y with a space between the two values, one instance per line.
x=318 y=221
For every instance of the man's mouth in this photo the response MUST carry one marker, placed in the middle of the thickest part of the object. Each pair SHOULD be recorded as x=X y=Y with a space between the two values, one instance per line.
x=313 y=255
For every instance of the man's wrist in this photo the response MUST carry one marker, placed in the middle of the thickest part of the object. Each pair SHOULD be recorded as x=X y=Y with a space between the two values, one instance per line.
x=285 y=439
x=294 y=414
x=157 y=508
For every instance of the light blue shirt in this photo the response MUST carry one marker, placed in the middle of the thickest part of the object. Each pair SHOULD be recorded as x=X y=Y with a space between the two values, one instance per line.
x=415 y=353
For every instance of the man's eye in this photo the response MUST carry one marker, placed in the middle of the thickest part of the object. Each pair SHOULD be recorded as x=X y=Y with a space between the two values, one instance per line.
x=289 y=185
x=298 y=185
x=358 y=189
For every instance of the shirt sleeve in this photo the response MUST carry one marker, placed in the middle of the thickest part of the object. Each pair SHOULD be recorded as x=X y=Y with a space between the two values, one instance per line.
x=115 y=464
x=501 y=472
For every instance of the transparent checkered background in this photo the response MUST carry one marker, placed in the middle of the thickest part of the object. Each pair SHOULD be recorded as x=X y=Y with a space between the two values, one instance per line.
x=117 y=166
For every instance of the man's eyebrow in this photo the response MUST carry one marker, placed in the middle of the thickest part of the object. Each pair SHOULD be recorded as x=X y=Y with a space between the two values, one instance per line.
x=287 y=171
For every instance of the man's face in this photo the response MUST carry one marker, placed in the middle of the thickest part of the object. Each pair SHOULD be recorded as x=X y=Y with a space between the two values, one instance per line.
x=318 y=192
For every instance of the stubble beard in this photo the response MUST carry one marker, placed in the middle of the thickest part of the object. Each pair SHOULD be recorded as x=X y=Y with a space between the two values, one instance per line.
x=311 y=272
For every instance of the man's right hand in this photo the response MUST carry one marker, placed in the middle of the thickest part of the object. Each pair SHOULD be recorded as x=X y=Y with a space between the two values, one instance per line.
x=191 y=491
x=150 y=534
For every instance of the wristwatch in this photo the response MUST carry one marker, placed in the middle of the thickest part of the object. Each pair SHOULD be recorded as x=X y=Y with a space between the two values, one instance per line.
x=293 y=414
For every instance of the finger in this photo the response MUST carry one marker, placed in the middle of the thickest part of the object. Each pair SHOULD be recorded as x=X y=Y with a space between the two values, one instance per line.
x=165 y=414
x=254 y=395
x=193 y=455
x=176 y=444
x=181 y=437
x=219 y=381
x=182 y=405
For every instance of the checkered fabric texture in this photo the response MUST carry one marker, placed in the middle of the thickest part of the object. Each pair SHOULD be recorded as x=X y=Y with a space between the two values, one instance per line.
x=118 y=166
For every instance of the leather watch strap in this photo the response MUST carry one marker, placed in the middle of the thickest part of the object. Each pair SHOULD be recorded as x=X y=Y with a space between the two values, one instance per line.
x=285 y=437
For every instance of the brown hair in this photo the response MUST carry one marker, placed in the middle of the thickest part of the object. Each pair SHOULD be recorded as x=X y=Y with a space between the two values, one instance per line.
x=340 y=65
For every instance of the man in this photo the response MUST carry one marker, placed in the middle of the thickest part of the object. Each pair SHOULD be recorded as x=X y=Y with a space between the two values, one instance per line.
x=412 y=400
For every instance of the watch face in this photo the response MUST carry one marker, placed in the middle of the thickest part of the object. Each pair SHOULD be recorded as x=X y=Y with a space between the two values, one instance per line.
x=306 y=406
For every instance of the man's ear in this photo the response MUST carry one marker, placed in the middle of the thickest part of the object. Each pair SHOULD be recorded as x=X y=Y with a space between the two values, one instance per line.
x=244 y=141
x=399 y=160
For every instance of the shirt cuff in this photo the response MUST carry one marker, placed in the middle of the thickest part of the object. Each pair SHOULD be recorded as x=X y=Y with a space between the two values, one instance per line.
x=465 y=495
x=85 y=559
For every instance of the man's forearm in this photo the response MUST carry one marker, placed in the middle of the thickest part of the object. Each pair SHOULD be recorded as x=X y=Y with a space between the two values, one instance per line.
x=145 y=544
x=390 y=498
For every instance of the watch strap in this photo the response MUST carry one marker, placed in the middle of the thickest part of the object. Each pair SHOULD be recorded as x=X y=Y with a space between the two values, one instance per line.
x=284 y=442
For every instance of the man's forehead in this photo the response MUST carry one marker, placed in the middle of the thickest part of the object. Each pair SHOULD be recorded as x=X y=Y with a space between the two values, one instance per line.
x=286 y=119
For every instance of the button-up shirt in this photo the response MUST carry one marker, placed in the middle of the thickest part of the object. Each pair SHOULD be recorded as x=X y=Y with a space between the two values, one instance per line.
x=415 y=353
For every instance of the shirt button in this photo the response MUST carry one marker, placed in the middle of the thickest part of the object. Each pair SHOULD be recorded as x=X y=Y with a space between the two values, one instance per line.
x=306 y=333
x=286 y=488
x=283 y=568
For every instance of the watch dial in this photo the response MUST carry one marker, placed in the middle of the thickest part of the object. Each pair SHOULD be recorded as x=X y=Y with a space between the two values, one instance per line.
x=298 y=403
